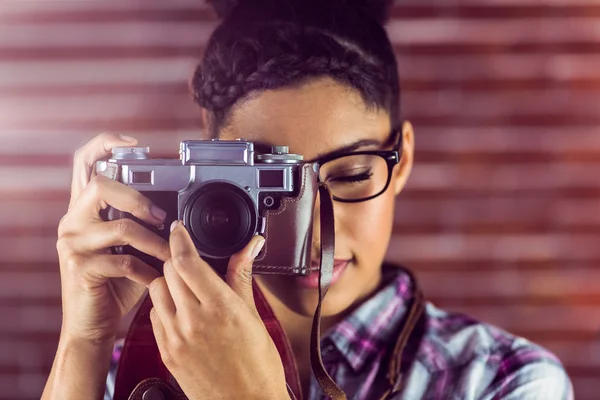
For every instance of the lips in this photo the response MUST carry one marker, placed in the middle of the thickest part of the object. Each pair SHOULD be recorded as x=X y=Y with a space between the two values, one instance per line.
x=311 y=281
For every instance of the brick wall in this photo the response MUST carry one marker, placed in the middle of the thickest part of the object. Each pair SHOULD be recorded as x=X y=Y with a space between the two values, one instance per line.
x=501 y=217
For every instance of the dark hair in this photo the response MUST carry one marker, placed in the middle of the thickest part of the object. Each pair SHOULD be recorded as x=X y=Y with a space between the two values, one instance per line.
x=270 y=44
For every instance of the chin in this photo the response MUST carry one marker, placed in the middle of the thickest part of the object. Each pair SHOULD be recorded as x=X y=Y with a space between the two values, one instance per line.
x=302 y=298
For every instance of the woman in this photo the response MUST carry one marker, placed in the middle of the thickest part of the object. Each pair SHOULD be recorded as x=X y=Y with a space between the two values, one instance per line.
x=321 y=78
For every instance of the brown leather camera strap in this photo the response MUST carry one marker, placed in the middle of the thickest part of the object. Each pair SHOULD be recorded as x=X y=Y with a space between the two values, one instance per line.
x=281 y=341
x=330 y=388
x=412 y=332
x=140 y=358
x=412 y=328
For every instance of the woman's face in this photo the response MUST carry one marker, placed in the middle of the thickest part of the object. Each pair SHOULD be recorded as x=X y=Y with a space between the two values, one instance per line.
x=314 y=119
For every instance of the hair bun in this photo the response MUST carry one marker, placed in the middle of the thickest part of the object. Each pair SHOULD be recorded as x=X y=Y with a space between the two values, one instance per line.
x=223 y=7
x=379 y=10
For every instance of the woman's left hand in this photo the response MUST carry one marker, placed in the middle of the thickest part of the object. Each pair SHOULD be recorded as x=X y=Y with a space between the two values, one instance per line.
x=208 y=331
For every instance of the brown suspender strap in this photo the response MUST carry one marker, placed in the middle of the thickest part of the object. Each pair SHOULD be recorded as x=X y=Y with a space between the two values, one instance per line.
x=140 y=358
x=279 y=337
x=412 y=328
x=330 y=388
x=394 y=371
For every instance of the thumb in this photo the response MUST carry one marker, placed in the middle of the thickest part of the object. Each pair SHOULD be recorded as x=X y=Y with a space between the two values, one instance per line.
x=239 y=270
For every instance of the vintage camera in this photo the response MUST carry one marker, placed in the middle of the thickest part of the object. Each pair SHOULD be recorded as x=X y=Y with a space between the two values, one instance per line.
x=225 y=193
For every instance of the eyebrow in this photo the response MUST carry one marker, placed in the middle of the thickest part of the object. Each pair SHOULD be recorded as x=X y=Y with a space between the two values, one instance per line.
x=348 y=148
x=264 y=147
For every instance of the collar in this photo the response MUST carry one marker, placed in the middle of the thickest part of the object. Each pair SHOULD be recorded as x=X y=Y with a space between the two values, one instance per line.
x=369 y=330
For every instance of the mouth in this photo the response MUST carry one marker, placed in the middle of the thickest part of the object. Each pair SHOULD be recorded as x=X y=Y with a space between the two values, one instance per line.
x=311 y=281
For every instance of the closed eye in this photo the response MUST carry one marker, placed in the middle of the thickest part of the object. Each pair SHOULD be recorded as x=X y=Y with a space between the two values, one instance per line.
x=353 y=178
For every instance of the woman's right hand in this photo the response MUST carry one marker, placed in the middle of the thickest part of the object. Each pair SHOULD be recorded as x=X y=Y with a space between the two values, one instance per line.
x=99 y=288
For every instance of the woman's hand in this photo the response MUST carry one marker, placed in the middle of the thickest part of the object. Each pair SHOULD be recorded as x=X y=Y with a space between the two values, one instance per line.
x=209 y=333
x=99 y=288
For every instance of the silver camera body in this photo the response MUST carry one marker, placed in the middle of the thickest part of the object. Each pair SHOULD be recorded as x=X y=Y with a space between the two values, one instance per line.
x=220 y=189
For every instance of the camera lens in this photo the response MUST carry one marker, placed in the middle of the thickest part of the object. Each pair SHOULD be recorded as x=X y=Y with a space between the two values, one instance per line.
x=221 y=219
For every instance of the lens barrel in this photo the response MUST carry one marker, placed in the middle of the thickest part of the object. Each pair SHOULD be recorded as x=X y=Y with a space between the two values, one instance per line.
x=221 y=219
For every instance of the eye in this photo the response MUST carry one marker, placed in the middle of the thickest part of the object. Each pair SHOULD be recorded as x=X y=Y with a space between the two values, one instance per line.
x=348 y=178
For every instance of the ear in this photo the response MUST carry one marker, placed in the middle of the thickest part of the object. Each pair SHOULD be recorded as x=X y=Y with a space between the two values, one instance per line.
x=404 y=167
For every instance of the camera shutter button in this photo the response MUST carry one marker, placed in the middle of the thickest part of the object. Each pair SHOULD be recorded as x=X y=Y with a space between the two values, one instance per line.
x=130 y=153
x=280 y=149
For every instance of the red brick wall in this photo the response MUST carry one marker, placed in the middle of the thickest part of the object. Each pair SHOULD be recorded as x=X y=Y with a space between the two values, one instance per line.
x=501 y=217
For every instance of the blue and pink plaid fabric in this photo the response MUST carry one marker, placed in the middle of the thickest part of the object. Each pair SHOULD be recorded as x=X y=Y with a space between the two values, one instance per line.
x=457 y=358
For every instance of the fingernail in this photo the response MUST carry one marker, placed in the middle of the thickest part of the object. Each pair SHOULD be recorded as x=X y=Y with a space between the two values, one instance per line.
x=158 y=213
x=174 y=225
x=126 y=138
x=257 y=248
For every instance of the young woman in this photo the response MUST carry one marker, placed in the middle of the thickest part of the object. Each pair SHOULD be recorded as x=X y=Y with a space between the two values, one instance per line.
x=321 y=78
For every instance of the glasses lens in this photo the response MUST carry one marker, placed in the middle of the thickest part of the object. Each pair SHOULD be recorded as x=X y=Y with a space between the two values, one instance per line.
x=355 y=176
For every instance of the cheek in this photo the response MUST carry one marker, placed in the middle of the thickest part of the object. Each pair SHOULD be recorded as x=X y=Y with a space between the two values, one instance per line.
x=367 y=226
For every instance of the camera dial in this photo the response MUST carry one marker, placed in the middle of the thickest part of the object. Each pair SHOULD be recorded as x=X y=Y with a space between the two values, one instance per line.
x=130 y=153
x=280 y=155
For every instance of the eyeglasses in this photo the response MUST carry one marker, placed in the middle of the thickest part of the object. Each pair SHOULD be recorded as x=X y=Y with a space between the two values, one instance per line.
x=361 y=175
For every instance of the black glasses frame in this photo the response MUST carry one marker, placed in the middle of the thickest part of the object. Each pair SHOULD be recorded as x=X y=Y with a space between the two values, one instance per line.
x=391 y=157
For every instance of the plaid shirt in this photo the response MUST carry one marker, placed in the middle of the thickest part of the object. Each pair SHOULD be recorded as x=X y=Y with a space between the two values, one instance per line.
x=457 y=358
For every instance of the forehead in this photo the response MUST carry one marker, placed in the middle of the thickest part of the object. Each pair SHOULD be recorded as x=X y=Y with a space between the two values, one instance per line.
x=312 y=119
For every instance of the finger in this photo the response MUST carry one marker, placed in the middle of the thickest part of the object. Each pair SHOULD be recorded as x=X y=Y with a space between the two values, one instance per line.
x=162 y=300
x=184 y=299
x=102 y=192
x=159 y=330
x=85 y=158
x=106 y=266
x=121 y=232
x=198 y=275
x=239 y=270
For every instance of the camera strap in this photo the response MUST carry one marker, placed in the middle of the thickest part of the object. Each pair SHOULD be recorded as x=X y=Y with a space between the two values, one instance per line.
x=412 y=329
x=330 y=388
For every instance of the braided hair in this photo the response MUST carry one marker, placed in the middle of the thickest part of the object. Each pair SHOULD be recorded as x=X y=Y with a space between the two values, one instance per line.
x=270 y=44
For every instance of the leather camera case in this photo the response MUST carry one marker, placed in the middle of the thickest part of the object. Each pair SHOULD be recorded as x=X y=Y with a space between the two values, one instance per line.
x=288 y=230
